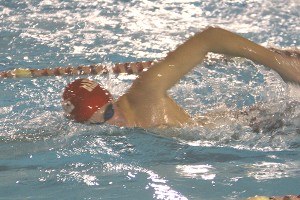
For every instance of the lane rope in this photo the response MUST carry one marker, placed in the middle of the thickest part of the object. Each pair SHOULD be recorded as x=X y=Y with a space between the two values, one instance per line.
x=118 y=68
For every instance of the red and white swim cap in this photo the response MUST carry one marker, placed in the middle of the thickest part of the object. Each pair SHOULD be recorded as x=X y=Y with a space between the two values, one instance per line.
x=83 y=97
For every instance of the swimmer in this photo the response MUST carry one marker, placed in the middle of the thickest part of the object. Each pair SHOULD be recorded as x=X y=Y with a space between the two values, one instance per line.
x=147 y=105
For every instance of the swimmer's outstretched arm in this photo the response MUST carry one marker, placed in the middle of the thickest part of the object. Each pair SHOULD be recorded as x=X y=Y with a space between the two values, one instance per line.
x=165 y=74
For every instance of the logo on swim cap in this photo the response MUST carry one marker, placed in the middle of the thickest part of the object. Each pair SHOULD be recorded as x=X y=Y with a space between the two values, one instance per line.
x=82 y=98
x=88 y=84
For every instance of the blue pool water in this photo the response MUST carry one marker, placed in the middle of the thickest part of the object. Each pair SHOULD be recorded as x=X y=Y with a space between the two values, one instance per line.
x=45 y=156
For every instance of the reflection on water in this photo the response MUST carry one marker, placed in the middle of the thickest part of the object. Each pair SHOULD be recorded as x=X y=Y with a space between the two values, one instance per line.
x=272 y=170
x=161 y=189
x=196 y=171
x=77 y=32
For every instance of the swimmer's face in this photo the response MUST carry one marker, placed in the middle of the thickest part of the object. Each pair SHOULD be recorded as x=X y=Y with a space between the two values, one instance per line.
x=105 y=113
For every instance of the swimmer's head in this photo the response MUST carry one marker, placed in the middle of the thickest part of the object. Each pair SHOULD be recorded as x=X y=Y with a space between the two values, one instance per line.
x=83 y=97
